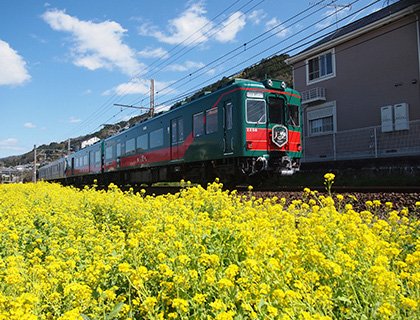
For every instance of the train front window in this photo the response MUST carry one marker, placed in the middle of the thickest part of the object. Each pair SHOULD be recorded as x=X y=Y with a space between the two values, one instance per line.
x=276 y=110
x=255 y=111
x=294 y=119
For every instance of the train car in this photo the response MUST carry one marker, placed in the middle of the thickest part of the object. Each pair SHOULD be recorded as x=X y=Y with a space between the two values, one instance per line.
x=85 y=165
x=53 y=171
x=244 y=131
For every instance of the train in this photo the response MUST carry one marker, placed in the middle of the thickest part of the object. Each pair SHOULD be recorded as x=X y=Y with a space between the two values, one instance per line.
x=244 y=132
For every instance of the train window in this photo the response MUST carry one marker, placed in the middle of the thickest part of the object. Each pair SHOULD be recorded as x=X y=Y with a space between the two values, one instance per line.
x=211 y=120
x=255 y=111
x=85 y=160
x=180 y=129
x=198 y=124
x=98 y=156
x=156 y=138
x=142 y=143
x=130 y=146
x=294 y=119
x=276 y=110
x=91 y=158
x=77 y=163
x=228 y=116
x=177 y=130
x=174 y=131
x=109 y=153
x=118 y=149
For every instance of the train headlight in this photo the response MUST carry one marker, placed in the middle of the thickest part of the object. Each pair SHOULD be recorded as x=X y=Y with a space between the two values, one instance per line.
x=279 y=135
x=283 y=85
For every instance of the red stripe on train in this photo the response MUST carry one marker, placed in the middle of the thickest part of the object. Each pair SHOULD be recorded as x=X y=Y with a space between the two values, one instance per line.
x=260 y=140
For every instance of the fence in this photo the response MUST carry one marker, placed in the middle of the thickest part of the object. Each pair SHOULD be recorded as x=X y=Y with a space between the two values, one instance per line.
x=366 y=143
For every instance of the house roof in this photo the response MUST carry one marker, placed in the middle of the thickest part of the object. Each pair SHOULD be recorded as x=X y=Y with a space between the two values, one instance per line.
x=354 y=28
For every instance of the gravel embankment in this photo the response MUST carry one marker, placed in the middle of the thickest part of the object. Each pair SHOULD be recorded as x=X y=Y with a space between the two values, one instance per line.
x=399 y=200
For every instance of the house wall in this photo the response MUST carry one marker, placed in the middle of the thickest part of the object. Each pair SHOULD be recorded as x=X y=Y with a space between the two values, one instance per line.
x=367 y=70
x=377 y=69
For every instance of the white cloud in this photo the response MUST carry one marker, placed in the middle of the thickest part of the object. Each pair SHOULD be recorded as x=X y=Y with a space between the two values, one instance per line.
x=162 y=108
x=257 y=16
x=192 y=27
x=96 y=45
x=74 y=120
x=331 y=16
x=191 y=23
x=231 y=27
x=29 y=125
x=37 y=38
x=10 y=144
x=88 y=91
x=139 y=87
x=279 y=30
x=12 y=66
x=153 y=53
x=185 y=67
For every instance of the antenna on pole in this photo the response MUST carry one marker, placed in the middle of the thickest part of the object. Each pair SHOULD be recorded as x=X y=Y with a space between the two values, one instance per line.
x=334 y=5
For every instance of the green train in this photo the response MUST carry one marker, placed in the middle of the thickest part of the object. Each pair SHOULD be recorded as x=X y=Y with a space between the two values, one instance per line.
x=245 y=131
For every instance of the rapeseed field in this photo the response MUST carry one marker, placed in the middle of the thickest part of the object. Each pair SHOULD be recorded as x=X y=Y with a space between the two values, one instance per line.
x=202 y=254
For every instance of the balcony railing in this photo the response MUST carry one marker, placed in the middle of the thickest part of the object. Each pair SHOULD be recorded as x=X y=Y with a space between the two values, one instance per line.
x=312 y=95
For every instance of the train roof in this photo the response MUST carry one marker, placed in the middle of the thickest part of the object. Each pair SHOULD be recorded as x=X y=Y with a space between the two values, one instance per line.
x=237 y=82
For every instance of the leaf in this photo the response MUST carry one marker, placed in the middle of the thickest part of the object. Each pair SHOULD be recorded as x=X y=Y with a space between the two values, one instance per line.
x=85 y=317
x=261 y=303
x=117 y=309
x=344 y=299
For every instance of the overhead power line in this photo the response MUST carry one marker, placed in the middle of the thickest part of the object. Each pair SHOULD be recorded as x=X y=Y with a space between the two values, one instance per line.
x=108 y=103
x=290 y=48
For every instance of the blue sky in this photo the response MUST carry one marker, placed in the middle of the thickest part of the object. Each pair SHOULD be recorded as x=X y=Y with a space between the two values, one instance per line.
x=63 y=64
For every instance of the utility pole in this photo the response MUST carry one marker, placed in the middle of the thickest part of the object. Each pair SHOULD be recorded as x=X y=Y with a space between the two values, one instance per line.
x=68 y=148
x=34 y=173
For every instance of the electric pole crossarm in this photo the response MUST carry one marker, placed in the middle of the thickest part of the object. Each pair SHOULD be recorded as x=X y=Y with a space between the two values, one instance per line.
x=127 y=106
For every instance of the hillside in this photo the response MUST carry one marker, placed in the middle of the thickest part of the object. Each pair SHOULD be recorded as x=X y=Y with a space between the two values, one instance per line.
x=274 y=67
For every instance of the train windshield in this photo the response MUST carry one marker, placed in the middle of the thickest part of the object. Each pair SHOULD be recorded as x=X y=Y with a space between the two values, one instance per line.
x=255 y=111
x=276 y=110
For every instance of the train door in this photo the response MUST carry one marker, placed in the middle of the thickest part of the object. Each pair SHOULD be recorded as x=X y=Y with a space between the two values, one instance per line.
x=91 y=161
x=277 y=120
x=177 y=137
x=118 y=153
x=72 y=166
x=227 y=128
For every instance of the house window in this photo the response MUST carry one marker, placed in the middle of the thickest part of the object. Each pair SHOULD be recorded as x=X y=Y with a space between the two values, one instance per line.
x=321 y=67
x=322 y=125
x=322 y=119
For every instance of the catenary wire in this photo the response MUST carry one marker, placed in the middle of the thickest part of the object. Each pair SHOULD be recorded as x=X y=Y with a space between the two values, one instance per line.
x=117 y=94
